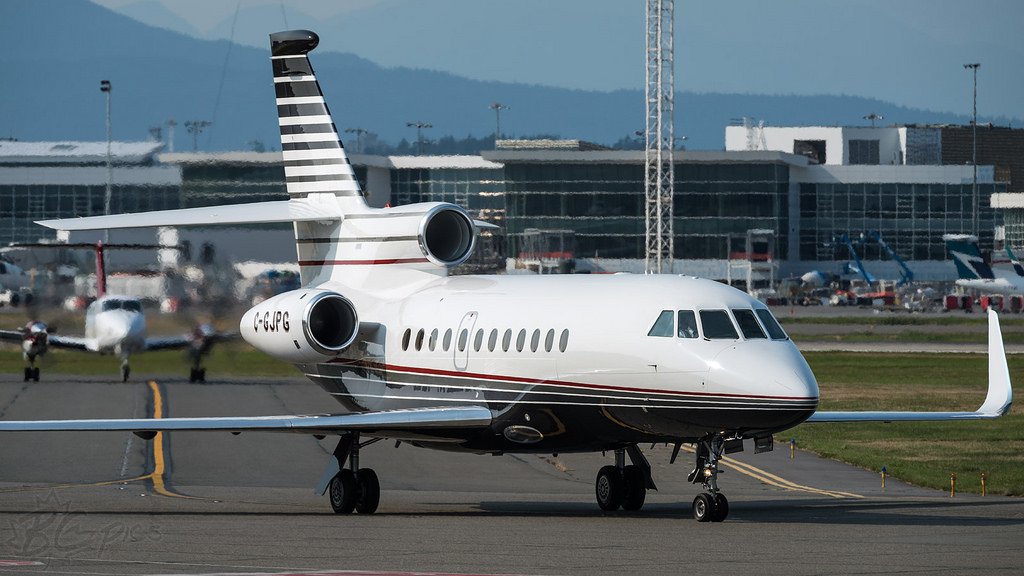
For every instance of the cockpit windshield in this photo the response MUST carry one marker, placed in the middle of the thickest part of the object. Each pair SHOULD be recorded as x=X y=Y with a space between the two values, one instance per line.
x=748 y=324
x=771 y=324
x=717 y=325
x=114 y=304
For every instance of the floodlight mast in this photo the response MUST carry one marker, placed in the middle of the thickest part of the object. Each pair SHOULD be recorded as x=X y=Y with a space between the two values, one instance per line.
x=659 y=173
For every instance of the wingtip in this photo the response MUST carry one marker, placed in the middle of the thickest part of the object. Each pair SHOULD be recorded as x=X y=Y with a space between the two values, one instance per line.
x=1000 y=390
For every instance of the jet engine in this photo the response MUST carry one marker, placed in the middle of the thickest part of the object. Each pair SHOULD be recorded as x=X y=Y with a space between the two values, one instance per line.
x=447 y=235
x=301 y=326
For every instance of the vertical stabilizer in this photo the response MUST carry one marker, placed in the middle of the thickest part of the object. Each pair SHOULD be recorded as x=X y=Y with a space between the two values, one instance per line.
x=970 y=265
x=314 y=159
x=101 y=272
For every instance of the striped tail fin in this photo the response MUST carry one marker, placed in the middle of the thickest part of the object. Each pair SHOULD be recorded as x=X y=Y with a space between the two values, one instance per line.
x=314 y=158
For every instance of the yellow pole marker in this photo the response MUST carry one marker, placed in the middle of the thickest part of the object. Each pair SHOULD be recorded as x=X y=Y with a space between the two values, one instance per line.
x=883 y=477
x=952 y=485
x=792 y=448
x=983 y=478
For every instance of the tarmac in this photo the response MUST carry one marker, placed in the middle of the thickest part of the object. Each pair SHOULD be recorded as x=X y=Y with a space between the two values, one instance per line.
x=204 y=503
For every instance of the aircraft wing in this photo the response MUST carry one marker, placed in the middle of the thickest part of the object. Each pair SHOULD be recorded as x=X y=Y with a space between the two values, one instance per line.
x=12 y=335
x=73 y=342
x=997 y=401
x=298 y=210
x=412 y=420
x=186 y=340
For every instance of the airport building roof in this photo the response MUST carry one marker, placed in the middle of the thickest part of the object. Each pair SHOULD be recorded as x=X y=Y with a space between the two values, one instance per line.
x=76 y=153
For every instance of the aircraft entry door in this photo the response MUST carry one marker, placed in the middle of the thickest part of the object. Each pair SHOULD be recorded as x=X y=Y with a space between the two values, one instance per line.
x=464 y=340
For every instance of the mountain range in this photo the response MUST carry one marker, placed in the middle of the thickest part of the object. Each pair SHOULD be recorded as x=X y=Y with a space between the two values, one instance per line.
x=58 y=51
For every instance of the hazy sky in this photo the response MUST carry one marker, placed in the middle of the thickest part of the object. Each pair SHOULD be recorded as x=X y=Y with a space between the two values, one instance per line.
x=909 y=52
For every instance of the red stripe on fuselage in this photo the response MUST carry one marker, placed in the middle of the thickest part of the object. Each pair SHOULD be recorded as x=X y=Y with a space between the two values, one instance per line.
x=499 y=378
x=361 y=262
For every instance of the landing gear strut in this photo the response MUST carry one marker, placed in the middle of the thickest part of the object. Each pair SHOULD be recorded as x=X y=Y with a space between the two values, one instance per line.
x=351 y=488
x=710 y=506
x=624 y=486
x=126 y=370
x=31 y=371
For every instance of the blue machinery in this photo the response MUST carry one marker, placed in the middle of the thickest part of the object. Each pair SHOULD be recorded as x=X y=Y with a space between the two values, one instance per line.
x=857 y=267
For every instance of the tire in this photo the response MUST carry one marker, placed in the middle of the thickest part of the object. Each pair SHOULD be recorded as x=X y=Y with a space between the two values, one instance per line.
x=125 y=372
x=28 y=374
x=192 y=376
x=635 y=491
x=721 y=508
x=703 y=507
x=609 y=488
x=201 y=376
x=342 y=492
x=369 y=491
x=35 y=374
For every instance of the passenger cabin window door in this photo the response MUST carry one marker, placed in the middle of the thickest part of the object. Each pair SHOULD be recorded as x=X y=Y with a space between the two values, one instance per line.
x=748 y=324
x=717 y=325
x=663 y=326
x=687 y=324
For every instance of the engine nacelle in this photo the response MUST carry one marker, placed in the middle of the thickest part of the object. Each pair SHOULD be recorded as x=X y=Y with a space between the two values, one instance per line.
x=301 y=326
x=447 y=235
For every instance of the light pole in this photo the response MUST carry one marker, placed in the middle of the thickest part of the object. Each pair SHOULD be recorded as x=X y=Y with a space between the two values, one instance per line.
x=874 y=117
x=170 y=134
x=419 y=134
x=195 y=128
x=498 y=107
x=359 y=137
x=974 y=148
x=106 y=88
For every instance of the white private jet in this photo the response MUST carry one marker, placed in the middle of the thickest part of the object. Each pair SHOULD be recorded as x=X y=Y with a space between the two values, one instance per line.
x=496 y=364
x=113 y=325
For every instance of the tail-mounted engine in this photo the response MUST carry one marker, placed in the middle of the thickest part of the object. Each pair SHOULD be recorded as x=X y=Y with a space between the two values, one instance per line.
x=446 y=235
x=301 y=326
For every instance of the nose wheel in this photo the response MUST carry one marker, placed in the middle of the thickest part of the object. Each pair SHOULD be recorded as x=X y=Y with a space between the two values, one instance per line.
x=126 y=371
x=710 y=506
x=197 y=375
x=31 y=371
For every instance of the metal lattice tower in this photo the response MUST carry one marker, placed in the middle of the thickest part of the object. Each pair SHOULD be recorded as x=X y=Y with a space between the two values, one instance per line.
x=660 y=169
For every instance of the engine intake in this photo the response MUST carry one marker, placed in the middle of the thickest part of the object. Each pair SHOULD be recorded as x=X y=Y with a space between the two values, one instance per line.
x=447 y=235
x=301 y=326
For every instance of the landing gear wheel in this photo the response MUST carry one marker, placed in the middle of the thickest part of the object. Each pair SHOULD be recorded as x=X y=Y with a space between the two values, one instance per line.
x=369 y=491
x=343 y=492
x=125 y=372
x=635 y=491
x=201 y=375
x=35 y=374
x=609 y=488
x=28 y=373
x=721 y=508
x=197 y=375
x=704 y=507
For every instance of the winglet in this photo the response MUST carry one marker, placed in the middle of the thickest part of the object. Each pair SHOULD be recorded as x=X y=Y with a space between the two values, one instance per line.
x=1000 y=391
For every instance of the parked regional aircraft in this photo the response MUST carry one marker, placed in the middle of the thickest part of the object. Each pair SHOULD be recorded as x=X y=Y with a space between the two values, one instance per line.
x=496 y=364
x=113 y=325
x=1002 y=273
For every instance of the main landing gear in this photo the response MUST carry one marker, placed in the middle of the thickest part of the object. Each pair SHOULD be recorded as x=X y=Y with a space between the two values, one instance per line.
x=126 y=370
x=197 y=375
x=351 y=488
x=31 y=371
x=710 y=506
x=622 y=486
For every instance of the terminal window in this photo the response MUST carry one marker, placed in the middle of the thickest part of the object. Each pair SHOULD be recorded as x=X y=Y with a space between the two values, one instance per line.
x=864 y=152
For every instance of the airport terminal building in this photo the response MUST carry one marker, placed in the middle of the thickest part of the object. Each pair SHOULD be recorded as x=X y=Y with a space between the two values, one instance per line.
x=805 y=188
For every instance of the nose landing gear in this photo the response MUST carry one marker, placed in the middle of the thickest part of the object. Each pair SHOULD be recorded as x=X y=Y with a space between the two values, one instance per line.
x=31 y=371
x=710 y=506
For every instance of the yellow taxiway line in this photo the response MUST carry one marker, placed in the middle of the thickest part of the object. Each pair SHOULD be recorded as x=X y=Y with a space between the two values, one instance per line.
x=777 y=481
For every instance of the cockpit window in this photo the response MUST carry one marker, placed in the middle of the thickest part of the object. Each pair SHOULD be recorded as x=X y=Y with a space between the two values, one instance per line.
x=111 y=305
x=663 y=325
x=687 y=324
x=748 y=324
x=132 y=306
x=771 y=324
x=717 y=325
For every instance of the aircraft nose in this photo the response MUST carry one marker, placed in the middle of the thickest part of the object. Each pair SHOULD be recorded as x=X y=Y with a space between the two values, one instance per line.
x=763 y=368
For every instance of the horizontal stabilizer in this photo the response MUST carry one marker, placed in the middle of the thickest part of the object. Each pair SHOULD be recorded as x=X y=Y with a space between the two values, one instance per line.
x=997 y=401
x=300 y=210
x=404 y=420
